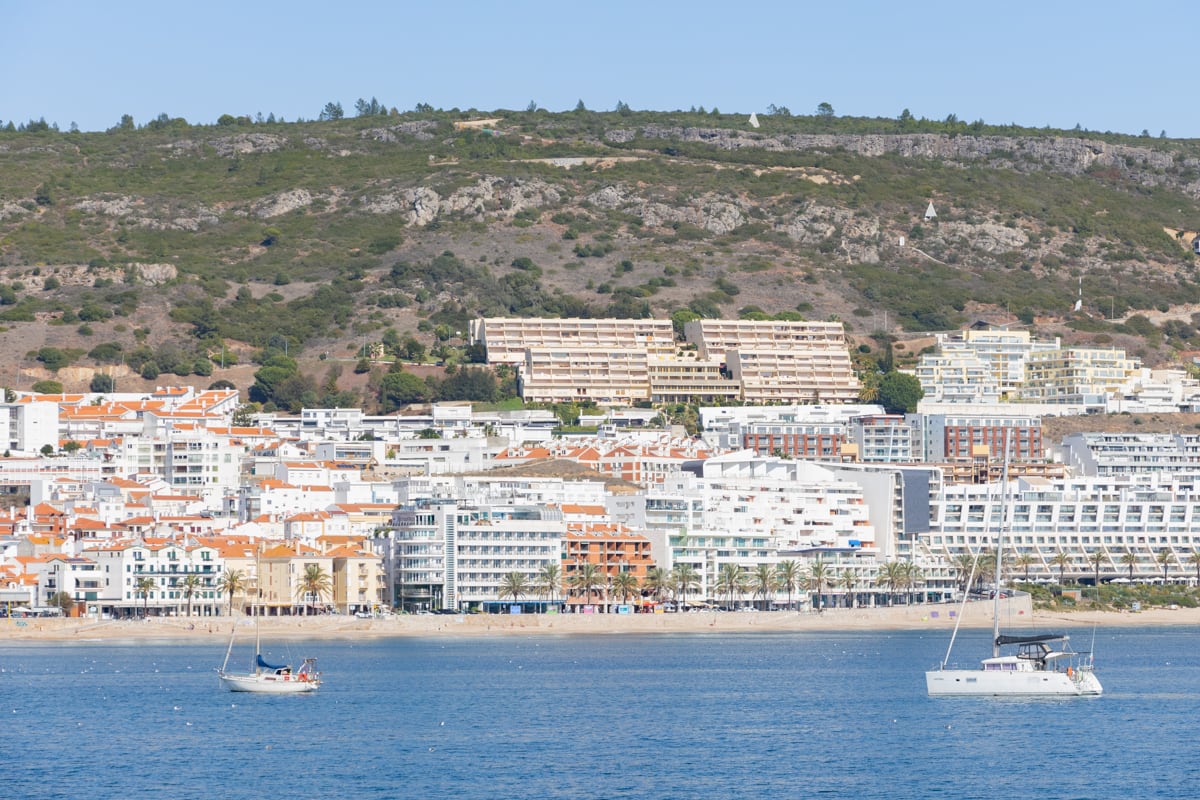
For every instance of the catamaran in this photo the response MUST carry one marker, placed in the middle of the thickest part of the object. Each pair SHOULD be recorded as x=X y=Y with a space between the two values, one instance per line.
x=1044 y=665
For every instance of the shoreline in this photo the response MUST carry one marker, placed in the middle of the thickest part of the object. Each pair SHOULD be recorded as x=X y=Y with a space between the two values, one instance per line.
x=921 y=617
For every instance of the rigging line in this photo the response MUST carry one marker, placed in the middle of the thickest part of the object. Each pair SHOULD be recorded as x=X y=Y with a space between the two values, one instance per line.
x=961 y=609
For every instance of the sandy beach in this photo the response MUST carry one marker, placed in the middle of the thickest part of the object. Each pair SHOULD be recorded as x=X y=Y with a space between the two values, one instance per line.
x=920 y=617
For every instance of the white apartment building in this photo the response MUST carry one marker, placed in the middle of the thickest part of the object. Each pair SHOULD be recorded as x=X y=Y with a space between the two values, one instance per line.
x=1172 y=455
x=201 y=463
x=121 y=565
x=749 y=512
x=1137 y=525
x=25 y=428
x=798 y=430
x=443 y=554
x=1163 y=391
x=881 y=439
x=484 y=490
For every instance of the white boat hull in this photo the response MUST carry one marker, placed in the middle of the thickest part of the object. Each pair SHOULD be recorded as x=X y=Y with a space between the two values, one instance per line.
x=995 y=683
x=268 y=683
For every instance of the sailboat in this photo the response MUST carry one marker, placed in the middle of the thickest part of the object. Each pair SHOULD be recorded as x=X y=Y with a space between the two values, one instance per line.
x=266 y=678
x=1043 y=665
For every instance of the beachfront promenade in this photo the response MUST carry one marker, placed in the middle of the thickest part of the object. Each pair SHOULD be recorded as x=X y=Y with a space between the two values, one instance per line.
x=1015 y=613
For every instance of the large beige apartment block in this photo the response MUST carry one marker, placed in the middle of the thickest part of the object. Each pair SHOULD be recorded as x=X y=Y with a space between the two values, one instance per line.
x=713 y=337
x=622 y=361
x=688 y=379
x=795 y=375
x=1076 y=375
x=506 y=338
x=1004 y=351
x=567 y=374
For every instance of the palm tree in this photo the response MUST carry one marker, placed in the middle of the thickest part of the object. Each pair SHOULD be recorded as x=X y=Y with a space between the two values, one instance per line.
x=586 y=578
x=1096 y=559
x=1194 y=560
x=868 y=391
x=987 y=564
x=657 y=582
x=232 y=583
x=910 y=575
x=684 y=579
x=745 y=583
x=144 y=586
x=315 y=581
x=764 y=582
x=848 y=580
x=729 y=580
x=1062 y=560
x=1165 y=557
x=1024 y=561
x=788 y=574
x=818 y=575
x=512 y=585
x=625 y=584
x=190 y=584
x=1129 y=559
x=548 y=581
x=964 y=564
x=890 y=575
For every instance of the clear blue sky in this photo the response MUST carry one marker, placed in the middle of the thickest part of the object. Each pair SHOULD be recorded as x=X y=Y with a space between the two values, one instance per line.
x=1105 y=65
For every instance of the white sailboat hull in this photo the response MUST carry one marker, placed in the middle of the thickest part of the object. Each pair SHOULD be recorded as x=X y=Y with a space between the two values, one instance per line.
x=995 y=683
x=269 y=683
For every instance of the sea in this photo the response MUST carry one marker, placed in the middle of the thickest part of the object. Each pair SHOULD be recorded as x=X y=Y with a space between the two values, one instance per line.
x=747 y=715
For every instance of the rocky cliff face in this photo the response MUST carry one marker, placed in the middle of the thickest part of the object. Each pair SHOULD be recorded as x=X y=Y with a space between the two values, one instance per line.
x=1067 y=155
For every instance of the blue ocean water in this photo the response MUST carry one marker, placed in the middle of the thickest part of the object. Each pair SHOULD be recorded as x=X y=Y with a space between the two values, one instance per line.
x=665 y=716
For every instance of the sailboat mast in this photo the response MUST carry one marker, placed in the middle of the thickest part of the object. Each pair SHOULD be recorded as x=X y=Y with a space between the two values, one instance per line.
x=1000 y=552
x=258 y=606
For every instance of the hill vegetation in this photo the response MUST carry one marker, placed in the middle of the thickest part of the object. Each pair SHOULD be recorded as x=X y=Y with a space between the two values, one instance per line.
x=339 y=261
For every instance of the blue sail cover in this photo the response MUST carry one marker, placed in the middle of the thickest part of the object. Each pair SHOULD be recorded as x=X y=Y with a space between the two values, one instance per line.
x=263 y=664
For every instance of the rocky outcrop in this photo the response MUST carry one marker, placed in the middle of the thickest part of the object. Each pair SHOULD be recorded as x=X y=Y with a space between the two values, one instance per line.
x=282 y=203
x=10 y=210
x=417 y=129
x=148 y=214
x=609 y=198
x=155 y=274
x=716 y=214
x=488 y=197
x=244 y=143
x=987 y=236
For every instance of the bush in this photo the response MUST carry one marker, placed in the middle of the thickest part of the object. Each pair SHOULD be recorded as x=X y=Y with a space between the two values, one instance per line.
x=53 y=358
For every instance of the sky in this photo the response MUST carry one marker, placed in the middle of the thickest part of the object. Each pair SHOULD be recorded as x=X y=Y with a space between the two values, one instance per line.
x=1103 y=65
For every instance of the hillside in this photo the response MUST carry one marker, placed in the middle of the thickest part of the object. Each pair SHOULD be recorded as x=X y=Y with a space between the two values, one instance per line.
x=173 y=249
